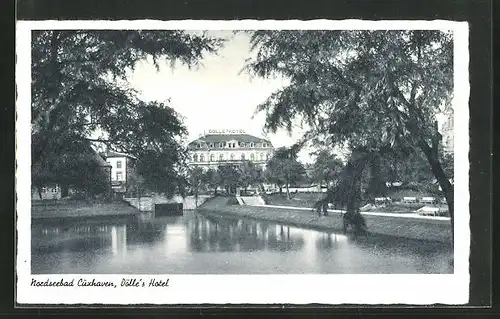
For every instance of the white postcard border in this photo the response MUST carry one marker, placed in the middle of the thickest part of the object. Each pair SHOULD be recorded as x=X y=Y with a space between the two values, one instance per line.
x=248 y=289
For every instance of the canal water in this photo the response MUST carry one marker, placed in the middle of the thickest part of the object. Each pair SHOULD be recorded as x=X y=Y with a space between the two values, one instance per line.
x=198 y=244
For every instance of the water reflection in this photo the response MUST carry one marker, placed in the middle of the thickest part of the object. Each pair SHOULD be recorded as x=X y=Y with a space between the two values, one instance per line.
x=214 y=244
x=211 y=234
x=326 y=241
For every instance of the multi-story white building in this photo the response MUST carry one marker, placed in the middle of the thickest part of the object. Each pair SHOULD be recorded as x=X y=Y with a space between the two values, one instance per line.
x=220 y=147
x=121 y=167
x=447 y=130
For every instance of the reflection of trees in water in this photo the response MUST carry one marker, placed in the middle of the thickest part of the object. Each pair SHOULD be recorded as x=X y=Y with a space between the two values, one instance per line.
x=220 y=234
x=70 y=238
x=281 y=238
x=326 y=241
x=144 y=232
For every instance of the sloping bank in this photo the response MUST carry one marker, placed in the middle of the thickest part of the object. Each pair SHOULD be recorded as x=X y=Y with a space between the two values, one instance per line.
x=405 y=227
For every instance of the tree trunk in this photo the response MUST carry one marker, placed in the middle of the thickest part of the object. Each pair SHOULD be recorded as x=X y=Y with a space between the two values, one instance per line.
x=432 y=157
x=39 y=189
x=281 y=189
x=352 y=192
x=376 y=186
x=287 y=191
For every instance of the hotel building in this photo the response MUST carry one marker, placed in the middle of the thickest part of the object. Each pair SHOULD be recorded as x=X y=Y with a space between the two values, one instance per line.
x=221 y=147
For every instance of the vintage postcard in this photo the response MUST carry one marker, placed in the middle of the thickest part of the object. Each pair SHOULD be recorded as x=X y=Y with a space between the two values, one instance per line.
x=242 y=162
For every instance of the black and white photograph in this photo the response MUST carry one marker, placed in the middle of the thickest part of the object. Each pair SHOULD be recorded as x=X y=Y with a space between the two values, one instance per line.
x=318 y=161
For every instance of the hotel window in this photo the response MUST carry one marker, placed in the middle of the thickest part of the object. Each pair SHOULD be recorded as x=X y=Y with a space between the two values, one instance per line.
x=221 y=157
x=264 y=145
x=202 y=158
x=261 y=156
x=118 y=164
x=268 y=156
x=242 y=144
x=119 y=176
x=211 y=145
x=232 y=157
x=242 y=157
x=252 y=157
x=252 y=144
x=195 y=158
x=212 y=157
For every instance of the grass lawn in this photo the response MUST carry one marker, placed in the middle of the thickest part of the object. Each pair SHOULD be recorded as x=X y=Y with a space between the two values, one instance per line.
x=297 y=200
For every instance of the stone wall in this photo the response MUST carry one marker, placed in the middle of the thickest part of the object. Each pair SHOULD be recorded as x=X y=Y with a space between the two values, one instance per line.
x=146 y=204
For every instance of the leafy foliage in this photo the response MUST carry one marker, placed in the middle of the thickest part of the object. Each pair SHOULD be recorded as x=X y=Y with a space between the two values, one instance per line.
x=326 y=168
x=372 y=90
x=74 y=164
x=250 y=174
x=195 y=181
x=213 y=179
x=283 y=169
x=230 y=177
x=78 y=89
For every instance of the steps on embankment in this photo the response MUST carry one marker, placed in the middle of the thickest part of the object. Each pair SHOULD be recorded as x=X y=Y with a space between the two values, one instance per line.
x=251 y=200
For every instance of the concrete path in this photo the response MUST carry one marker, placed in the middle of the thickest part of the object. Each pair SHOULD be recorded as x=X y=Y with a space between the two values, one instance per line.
x=399 y=215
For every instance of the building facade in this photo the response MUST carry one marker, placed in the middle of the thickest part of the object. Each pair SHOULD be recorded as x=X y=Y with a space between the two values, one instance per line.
x=448 y=130
x=222 y=147
x=122 y=166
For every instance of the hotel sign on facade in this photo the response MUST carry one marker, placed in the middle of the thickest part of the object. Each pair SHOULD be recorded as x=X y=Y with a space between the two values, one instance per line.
x=226 y=131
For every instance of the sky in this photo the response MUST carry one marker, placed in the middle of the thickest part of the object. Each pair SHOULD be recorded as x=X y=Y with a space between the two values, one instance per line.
x=216 y=95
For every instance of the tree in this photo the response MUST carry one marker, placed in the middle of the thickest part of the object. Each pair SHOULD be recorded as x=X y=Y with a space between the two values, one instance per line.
x=78 y=89
x=371 y=90
x=73 y=163
x=212 y=179
x=249 y=175
x=283 y=169
x=196 y=178
x=136 y=185
x=230 y=177
x=326 y=168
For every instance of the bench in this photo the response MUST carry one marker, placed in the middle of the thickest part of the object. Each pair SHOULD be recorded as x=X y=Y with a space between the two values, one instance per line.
x=428 y=200
x=382 y=200
x=409 y=200
x=426 y=211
